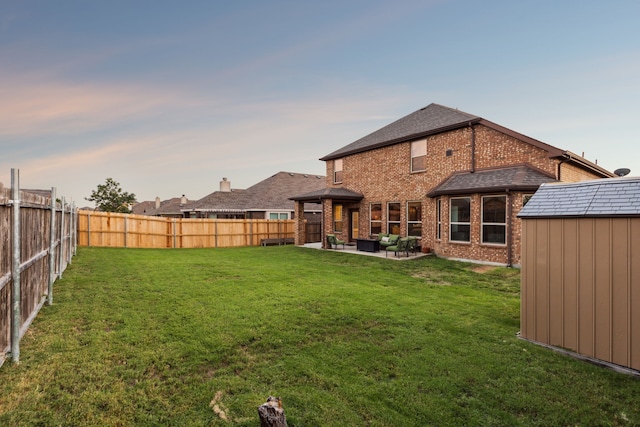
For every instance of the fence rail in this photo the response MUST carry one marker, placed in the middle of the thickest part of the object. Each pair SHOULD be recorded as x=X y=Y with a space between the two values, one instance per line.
x=37 y=242
x=141 y=231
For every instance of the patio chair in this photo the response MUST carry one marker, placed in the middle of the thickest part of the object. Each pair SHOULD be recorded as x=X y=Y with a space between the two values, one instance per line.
x=332 y=240
x=401 y=246
x=413 y=244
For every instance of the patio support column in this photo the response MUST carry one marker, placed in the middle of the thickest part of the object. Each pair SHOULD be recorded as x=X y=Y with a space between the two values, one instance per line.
x=300 y=231
x=327 y=220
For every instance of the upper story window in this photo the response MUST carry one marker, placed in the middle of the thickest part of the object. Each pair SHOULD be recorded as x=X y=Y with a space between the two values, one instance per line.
x=419 y=156
x=393 y=218
x=337 y=171
x=460 y=219
x=414 y=219
x=494 y=220
x=376 y=218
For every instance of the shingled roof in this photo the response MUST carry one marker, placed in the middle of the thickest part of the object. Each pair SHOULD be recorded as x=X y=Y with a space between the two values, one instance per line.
x=270 y=194
x=513 y=178
x=333 y=193
x=429 y=120
x=434 y=119
x=609 y=197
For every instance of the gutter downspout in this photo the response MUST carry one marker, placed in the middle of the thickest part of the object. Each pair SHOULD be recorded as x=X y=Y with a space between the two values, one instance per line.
x=473 y=148
x=509 y=230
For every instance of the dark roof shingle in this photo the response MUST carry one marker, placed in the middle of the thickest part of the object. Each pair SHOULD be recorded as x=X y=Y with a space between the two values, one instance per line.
x=433 y=118
x=515 y=178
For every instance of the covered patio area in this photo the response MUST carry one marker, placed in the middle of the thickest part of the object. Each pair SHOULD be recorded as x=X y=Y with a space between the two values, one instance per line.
x=352 y=250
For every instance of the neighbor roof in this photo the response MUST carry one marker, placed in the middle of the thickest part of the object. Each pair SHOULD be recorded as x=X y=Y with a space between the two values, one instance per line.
x=597 y=198
x=514 y=178
x=270 y=194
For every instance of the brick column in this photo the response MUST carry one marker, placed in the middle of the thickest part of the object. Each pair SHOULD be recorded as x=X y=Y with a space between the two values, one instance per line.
x=300 y=229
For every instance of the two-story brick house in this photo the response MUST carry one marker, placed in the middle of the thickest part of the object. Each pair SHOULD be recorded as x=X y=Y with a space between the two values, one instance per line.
x=455 y=180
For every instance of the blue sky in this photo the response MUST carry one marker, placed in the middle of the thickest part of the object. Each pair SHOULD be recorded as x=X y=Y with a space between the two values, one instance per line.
x=168 y=97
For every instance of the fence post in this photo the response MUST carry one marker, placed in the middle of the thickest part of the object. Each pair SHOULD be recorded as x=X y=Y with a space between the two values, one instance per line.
x=88 y=229
x=71 y=227
x=16 y=318
x=52 y=246
x=61 y=253
x=173 y=231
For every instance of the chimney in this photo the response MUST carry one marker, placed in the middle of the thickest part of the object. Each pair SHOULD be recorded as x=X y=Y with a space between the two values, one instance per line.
x=183 y=200
x=225 y=186
x=157 y=202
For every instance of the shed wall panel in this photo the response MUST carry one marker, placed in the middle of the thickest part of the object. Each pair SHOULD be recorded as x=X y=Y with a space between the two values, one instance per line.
x=556 y=257
x=634 y=291
x=528 y=276
x=541 y=294
x=620 y=291
x=569 y=272
x=602 y=288
x=586 y=299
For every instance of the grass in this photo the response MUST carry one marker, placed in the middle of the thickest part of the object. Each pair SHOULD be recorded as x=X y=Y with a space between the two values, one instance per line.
x=202 y=337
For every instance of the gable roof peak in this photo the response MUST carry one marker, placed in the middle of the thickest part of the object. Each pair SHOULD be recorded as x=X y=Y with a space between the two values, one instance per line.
x=428 y=120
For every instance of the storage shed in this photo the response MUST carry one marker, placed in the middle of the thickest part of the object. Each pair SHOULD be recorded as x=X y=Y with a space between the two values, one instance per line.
x=581 y=269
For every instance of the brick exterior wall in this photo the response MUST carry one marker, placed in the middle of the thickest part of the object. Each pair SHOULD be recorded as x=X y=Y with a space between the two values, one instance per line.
x=384 y=175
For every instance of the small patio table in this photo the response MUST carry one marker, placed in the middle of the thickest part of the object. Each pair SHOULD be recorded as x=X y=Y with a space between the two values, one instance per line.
x=368 y=245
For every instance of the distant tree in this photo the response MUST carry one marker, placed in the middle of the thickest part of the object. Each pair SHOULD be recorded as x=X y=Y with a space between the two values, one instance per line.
x=109 y=197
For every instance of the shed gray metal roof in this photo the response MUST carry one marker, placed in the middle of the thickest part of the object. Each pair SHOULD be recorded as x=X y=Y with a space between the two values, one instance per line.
x=597 y=198
x=514 y=178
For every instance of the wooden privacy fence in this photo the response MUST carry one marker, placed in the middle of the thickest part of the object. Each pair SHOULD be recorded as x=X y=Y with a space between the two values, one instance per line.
x=141 y=231
x=37 y=241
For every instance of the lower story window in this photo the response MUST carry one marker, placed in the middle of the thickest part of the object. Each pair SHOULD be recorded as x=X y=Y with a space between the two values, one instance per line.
x=494 y=220
x=337 y=218
x=375 y=224
x=393 y=218
x=414 y=219
x=460 y=219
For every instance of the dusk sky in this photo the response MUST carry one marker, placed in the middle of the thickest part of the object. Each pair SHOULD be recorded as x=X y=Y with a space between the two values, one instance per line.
x=168 y=97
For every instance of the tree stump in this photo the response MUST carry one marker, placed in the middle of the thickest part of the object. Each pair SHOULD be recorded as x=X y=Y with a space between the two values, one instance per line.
x=271 y=413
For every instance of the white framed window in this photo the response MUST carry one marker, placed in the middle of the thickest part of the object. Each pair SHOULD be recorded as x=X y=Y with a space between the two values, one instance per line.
x=375 y=218
x=337 y=171
x=278 y=215
x=494 y=220
x=460 y=219
x=419 y=156
x=414 y=219
x=393 y=218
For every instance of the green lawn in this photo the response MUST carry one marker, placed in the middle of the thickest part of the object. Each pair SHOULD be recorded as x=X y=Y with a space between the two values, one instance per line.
x=202 y=337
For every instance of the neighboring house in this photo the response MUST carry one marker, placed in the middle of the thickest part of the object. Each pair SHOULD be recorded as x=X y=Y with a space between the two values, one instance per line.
x=268 y=199
x=171 y=208
x=455 y=180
